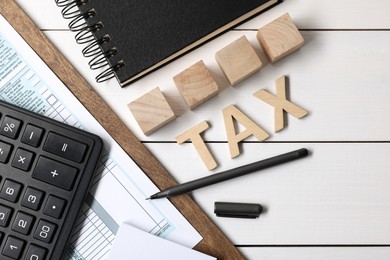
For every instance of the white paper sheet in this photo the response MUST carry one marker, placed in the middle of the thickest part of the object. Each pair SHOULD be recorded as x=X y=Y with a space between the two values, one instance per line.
x=132 y=243
x=119 y=188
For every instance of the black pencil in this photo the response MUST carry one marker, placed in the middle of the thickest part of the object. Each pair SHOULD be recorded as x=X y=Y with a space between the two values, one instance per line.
x=230 y=174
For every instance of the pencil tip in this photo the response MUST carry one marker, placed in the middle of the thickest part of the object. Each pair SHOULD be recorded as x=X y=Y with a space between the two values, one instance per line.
x=154 y=196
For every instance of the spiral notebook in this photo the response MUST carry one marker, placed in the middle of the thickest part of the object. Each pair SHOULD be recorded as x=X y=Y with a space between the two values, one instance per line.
x=128 y=39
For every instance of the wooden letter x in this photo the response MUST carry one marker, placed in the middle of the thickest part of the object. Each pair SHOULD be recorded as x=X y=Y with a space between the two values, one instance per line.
x=280 y=103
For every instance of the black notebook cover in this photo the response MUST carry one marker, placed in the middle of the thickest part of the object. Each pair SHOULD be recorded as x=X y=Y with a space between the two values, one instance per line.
x=147 y=34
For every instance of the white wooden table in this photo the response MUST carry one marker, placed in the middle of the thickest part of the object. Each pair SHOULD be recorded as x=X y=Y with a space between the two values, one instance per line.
x=334 y=204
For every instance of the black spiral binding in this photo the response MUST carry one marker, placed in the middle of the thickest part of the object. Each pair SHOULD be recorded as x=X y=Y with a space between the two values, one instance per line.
x=85 y=35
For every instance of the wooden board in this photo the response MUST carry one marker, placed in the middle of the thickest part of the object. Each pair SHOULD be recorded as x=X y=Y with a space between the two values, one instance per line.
x=318 y=253
x=347 y=14
x=214 y=242
x=358 y=62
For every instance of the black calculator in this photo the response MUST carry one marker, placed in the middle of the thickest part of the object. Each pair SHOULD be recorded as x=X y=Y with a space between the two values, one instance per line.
x=46 y=168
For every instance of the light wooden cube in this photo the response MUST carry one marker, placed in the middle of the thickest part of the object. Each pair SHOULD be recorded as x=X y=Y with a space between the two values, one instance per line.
x=152 y=111
x=196 y=84
x=238 y=60
x=279 y=38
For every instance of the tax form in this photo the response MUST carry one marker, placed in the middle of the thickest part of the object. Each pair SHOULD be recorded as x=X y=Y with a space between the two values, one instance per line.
x=119 y=187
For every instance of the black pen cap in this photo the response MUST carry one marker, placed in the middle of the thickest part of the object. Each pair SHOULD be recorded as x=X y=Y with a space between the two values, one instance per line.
x=237 y=210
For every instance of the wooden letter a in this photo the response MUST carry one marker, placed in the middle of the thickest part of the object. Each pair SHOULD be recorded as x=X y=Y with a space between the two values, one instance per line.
x=251 y=129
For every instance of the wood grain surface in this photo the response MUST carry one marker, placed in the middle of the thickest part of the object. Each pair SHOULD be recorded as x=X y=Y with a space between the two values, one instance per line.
x=279 y=38
x=196 y=84
x=194 y=134
x=238 y=60
x=151 y=111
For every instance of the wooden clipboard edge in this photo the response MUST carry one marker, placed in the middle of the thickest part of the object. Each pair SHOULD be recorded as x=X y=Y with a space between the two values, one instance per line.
x=214 y=242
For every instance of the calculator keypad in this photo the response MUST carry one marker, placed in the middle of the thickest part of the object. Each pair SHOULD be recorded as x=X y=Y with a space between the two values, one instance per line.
x=35 y=253
x=45 y=231
x=41 y=167
x=13 y=247
x=32 y=135
x=5 y=150
x=54 y=206
x=22 y=159
x=10 y=190
x=10 y=127
x=5 y=214
x=32 y=198
x=55 y=173
x=65 y=147
x=23 y=223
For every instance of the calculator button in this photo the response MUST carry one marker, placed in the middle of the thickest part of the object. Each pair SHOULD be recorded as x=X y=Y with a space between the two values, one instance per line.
x=32 y=198
x=65 y=147
x=23 y=223
x=55 y=173
x=54 y=207
x=45 y=231
x=10 y=190
x=32 y=135
x=35 y=253
x=5 y=215
x=13 y=247
x=22 y=159
x=10 y=127
x=5 y=151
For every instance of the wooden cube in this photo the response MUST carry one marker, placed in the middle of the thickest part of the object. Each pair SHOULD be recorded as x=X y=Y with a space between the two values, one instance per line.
x=196 y=84
x=238 y=60
x=151 y=111
x=279 y=38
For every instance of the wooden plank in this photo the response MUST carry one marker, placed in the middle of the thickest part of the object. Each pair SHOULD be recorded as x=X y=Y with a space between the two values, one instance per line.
x=341 y=79
x=320 y=14
x=337 y=195
x=214 y=242
x=45 y=13
x=348 y=14
x=317 y=253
